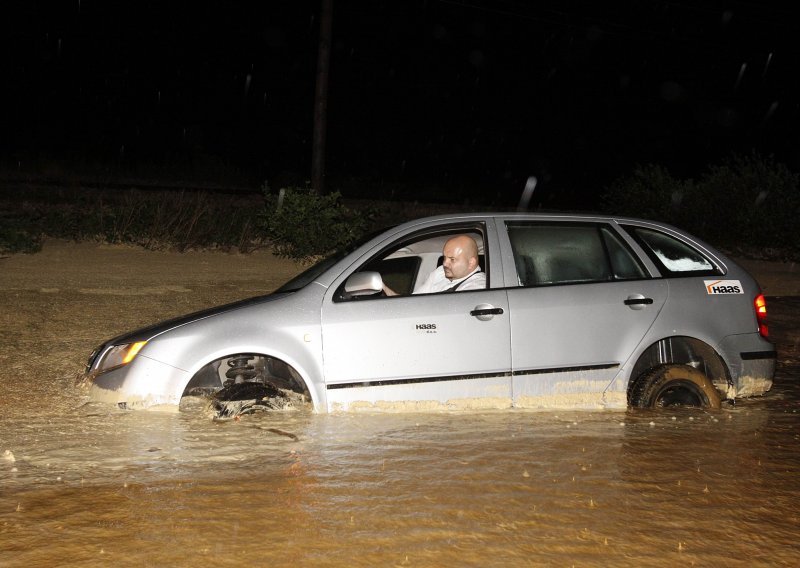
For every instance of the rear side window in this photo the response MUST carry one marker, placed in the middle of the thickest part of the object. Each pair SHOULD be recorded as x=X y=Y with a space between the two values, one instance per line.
x=569 y=253
x=672 y=256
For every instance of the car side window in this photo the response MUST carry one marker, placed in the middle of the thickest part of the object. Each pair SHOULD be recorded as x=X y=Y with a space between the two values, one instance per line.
x=547 y=253
x=672 y=256
x=558 y=253
x=405 y=265
x=400 y=274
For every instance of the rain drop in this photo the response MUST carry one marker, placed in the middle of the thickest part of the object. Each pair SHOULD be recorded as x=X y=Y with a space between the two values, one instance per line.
x=742 y=69
x=766 y=65
x=727 y=16
x=772 y=108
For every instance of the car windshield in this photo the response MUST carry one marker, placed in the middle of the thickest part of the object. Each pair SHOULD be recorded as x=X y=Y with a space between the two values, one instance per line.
x=311 y=273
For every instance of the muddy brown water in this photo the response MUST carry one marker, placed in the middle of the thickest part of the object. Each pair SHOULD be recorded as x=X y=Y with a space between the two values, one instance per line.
x=89 y=485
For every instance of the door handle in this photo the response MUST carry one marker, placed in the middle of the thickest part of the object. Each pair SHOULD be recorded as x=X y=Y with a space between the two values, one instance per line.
x=636 y=301
x=486 y=312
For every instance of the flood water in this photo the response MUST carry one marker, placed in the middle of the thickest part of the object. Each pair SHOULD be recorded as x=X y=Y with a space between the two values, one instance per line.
x=90 y=485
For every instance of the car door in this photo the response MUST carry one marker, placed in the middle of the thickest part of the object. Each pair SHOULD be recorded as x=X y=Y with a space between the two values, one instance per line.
x=583 y=304
x=443 y=349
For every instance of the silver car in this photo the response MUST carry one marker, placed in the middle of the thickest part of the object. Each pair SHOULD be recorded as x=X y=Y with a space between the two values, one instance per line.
x=579 y=311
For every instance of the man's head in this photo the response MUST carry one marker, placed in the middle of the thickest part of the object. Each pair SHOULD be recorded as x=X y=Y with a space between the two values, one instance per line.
x=460 y=257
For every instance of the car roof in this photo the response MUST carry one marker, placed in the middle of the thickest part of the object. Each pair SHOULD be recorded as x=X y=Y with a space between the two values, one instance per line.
x=327 y=278
x=585 y=216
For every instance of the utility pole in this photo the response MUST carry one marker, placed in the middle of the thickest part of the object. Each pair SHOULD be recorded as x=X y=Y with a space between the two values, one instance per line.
x=321 y=99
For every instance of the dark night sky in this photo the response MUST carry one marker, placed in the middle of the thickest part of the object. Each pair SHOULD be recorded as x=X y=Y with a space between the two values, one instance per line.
x=472 y=96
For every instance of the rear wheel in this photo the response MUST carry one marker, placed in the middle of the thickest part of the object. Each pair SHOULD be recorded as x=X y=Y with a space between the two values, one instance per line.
x=674 y=385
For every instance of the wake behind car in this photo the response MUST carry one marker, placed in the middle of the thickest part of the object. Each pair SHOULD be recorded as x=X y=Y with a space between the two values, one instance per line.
x=577 y=311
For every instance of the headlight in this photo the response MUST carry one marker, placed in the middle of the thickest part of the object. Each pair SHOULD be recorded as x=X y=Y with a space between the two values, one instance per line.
x=119 y=355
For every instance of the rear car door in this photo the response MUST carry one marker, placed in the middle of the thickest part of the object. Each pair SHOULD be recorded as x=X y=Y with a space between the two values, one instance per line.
x=583 y=303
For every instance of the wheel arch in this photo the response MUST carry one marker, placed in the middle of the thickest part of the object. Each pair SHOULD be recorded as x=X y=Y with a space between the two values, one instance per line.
x=683 y=350
x=204 y=373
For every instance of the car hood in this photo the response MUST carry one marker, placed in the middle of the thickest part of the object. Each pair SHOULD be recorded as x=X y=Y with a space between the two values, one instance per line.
x=147 y=333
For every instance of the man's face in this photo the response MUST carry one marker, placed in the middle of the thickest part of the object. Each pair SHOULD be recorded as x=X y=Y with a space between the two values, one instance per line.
x=456 y=260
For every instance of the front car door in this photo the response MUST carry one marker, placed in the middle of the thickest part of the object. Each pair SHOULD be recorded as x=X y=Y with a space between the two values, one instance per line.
x=582 y=304
x=424 y=350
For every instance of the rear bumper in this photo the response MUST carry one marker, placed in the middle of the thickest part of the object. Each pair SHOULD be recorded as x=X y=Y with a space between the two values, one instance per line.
x=751 y=361
x=756 y=374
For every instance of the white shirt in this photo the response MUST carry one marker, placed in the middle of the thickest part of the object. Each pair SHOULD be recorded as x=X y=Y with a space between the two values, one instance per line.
x=438 y=282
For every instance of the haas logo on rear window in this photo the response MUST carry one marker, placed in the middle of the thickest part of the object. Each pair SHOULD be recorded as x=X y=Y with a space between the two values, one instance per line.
x=426 y=327
x=723 y=287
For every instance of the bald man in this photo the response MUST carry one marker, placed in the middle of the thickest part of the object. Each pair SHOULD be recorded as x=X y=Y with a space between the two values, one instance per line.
x=459 y=271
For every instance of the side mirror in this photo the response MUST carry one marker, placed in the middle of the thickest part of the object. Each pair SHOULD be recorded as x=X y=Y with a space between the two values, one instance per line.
x=363 y=284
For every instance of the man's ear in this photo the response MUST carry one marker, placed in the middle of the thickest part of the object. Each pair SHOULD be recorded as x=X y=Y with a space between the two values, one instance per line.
x=473 y=263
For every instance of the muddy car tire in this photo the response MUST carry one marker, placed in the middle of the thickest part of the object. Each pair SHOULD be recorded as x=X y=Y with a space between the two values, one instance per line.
x=674 y=385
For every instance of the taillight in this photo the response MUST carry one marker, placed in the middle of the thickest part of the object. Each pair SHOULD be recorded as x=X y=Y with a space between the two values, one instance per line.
x=760 y=304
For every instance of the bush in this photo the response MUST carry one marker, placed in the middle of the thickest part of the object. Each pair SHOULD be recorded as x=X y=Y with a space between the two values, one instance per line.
x=748 y=202
x=650 y=192
x=751 y=200
x=152 y=219
x=303 y=225
x=16 y=236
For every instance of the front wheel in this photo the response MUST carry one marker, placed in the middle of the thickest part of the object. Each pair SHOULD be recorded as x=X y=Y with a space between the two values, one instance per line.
x=674 y=385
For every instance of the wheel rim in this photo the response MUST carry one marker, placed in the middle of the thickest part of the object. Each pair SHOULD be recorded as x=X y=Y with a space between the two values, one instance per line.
x=680 y=393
